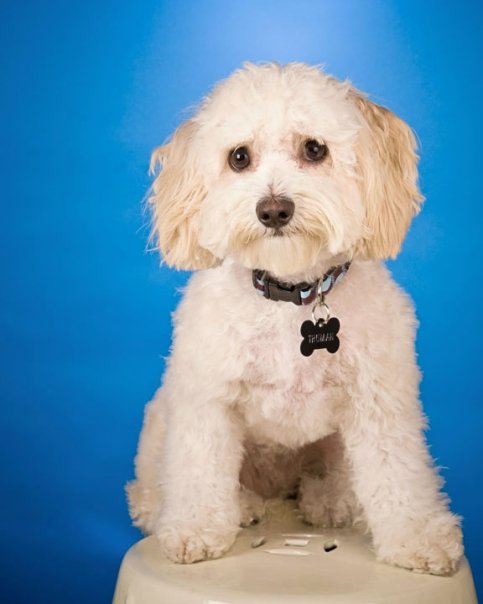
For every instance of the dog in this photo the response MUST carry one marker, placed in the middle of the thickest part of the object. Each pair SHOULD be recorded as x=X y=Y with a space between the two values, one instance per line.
x=293 y=369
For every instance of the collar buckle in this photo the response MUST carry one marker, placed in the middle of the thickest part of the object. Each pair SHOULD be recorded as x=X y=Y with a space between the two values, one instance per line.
x=283 y=292
x=299 y=293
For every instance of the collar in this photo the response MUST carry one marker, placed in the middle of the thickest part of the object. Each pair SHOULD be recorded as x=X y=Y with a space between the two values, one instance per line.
x=298 y=293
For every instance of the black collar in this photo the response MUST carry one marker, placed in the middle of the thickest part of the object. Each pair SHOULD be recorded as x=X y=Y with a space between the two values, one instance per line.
x=298 y=293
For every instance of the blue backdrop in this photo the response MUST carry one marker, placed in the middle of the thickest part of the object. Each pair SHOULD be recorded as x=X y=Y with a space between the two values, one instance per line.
x=87 y=90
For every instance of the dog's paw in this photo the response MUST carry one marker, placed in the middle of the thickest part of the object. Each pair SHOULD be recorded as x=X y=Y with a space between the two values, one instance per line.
x=325 y=504
x=433 y=547
x=327 y=515
x=186 y=545
x=252 y=507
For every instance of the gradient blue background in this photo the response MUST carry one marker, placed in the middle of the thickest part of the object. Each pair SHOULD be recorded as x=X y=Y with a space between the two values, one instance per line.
x=87 y=90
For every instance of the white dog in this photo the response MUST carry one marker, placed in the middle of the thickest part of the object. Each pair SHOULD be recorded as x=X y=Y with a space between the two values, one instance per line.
x=283 y=179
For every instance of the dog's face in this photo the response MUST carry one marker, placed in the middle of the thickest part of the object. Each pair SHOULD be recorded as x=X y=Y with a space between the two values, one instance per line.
x=282 y=168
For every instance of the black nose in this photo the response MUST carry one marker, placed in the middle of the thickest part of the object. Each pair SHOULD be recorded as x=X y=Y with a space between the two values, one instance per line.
x=275 y=211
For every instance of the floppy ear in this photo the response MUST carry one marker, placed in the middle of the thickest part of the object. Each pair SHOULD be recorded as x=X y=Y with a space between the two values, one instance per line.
x=387 y=165
x=178 y=192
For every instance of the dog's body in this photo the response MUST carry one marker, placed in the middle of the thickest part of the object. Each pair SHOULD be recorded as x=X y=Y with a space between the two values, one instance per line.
x=242 y=415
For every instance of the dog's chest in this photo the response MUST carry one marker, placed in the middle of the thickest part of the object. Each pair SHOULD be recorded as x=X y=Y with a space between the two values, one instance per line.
x=288 y=398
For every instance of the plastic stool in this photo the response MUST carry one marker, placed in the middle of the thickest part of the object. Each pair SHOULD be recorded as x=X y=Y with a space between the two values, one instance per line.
x=245 y=575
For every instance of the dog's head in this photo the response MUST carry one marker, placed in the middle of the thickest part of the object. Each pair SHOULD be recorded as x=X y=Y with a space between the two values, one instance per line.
x=281 y=168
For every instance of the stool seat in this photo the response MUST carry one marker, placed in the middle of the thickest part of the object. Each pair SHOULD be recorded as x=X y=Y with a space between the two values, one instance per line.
x=247 y=575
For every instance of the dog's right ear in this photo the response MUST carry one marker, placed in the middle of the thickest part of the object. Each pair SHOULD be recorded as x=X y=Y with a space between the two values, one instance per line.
x=178 y=192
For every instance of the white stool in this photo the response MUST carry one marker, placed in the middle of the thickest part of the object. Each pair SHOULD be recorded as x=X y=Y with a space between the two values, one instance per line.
x=348 y=574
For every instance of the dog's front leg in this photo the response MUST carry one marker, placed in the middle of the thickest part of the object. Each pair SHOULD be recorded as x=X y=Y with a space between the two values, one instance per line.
x=394 y=477
x=201 y=463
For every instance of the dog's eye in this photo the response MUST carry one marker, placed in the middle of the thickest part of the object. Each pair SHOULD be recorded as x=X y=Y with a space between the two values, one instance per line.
x=239 y=159
x=315 y=151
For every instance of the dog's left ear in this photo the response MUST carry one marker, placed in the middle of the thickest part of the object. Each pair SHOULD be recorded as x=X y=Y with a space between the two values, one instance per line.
x=387 y=165
x=178 y=192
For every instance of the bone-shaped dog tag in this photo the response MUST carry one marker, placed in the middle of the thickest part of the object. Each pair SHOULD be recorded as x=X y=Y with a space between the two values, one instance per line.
x=322 y=334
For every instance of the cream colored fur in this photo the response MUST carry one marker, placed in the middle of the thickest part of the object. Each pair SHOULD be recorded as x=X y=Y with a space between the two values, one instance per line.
x=242 y=416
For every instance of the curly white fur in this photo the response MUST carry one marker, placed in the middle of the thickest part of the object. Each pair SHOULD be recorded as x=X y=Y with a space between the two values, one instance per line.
x=242 y=415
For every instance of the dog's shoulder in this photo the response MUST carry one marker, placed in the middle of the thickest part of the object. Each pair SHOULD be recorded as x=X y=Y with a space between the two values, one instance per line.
x=370 y=287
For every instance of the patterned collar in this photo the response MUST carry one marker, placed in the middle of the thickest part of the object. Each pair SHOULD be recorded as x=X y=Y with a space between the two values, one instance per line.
x=298 y=293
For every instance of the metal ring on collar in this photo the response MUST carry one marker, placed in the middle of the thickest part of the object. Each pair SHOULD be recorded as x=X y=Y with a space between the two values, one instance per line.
x=323 y=305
